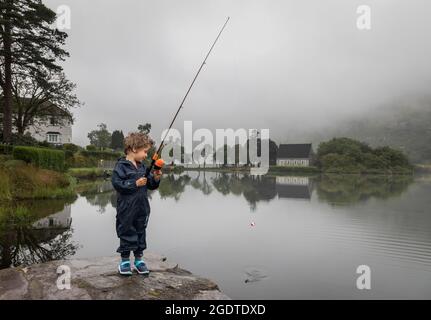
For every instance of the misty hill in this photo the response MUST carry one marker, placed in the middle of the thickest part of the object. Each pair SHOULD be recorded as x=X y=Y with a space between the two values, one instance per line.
x=406 y=127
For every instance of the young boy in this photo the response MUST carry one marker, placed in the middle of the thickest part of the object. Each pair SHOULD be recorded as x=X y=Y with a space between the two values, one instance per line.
x=133 y=208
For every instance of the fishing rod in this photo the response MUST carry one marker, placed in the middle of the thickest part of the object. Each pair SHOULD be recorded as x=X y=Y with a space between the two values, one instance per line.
x=156 y=162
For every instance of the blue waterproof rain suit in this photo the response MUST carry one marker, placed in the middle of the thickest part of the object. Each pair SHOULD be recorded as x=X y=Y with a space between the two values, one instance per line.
x=133 y=207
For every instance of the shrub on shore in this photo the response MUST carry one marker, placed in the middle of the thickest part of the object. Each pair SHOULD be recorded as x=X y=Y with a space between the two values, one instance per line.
x=344 y=155
x=19 y=180
x=40 y=157
x=87 y=173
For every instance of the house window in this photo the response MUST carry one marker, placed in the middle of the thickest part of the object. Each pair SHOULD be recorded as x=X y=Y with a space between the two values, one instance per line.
x=52 y=121
x=53 y=137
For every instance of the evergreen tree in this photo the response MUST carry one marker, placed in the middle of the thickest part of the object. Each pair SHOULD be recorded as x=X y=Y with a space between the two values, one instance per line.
x=27 y=41
x=117 y=141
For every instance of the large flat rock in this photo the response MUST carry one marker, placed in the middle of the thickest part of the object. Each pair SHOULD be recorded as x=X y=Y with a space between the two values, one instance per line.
x=97 y=278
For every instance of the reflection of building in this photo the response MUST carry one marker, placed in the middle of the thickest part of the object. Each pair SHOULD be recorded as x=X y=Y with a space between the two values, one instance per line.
x=293 y=187
x=294 y=155
x=50 y=227
x=59 y=220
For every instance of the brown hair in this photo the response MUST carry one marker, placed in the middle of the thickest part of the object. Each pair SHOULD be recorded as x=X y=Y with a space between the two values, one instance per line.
x=137 y=140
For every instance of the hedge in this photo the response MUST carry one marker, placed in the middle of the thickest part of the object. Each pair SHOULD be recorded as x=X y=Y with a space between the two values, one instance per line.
x=6 y=149
x=40 y=157
x=105 y=155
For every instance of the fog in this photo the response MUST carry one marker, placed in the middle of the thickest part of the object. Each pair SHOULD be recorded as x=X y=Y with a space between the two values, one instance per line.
x=290 y=66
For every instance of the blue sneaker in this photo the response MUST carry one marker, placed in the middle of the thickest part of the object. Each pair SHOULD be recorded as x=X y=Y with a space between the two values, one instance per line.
x=141 y=267
x=124 y=268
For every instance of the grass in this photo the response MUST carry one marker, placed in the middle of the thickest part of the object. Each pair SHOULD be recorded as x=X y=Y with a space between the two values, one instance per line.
x=87 y=173
x=17 y=214
x=23 y=181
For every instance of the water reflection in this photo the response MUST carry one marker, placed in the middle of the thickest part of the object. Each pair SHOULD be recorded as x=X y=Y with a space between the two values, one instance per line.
x=31 y=233
x=294 y=187
x=350 y=189
x=173 y=186
x=38 y=231
x=98 y=193
x=334 y=189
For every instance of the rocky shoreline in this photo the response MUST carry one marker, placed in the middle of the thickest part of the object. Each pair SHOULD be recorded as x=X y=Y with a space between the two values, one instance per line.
x=97 y=279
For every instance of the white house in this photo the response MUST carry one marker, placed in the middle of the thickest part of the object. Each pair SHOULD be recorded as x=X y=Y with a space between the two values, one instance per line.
x=56 y=130
x=53 y=125
x=294 y=155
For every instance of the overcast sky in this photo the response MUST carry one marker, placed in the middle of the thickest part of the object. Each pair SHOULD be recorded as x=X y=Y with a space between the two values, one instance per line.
x=283 y=65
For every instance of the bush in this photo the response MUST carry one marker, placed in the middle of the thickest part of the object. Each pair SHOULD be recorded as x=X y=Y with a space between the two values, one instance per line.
x=101 y=155
x=12 y=163
x=344 y=155
x=344 y=146
x=336 y=163
x=6 y=149
x=5 y=185
x=71 y=147
x=79 y=161
x=5 y=157
x=41 y=157
x=28 y=140
x=91 y=147
x=87 y=173
x=26 y=181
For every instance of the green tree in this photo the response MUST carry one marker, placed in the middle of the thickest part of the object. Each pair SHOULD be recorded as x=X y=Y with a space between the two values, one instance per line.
x=117 y=141
x=28 y=41
x=346 y=155
x=392 y=156
x=40 y=101
x=100 y=138
x=145 y=128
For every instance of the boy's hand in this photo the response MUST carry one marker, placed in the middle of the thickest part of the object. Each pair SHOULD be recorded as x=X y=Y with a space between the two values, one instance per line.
x=141 y=182
x=157 y=174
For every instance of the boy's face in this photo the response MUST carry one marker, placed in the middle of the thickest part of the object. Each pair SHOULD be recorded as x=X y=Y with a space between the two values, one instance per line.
x=141 y=153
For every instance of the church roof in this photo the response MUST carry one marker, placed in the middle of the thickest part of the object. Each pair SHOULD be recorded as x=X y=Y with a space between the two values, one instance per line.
x=294 y=151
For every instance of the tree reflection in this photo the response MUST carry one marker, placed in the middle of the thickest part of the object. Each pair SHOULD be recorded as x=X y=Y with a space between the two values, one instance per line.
x=27 y=239
x=340 y=189
x=350 y=189
x=173 y=185
x=347 y=189
x=253 y=188
x=201 y=183
x=97 y=193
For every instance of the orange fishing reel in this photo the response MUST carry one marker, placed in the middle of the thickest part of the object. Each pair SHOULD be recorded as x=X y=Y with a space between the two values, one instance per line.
x=158 y=164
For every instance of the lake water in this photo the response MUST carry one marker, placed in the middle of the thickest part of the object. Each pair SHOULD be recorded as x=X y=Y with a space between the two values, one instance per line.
x=269 y=237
